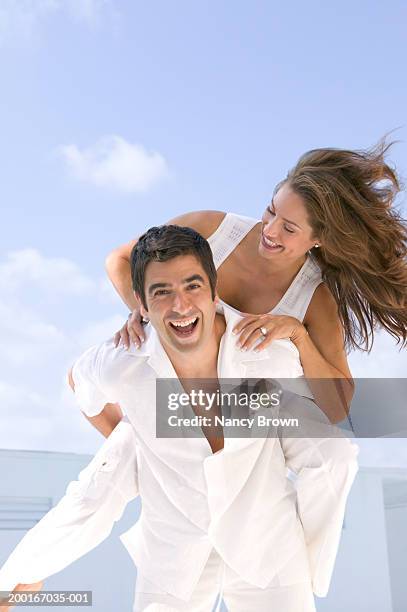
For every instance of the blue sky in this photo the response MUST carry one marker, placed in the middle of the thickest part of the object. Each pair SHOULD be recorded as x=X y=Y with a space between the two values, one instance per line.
x=119 y=115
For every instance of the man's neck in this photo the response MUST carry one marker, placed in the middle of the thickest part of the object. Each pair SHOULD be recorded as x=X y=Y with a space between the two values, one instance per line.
x=204 y=363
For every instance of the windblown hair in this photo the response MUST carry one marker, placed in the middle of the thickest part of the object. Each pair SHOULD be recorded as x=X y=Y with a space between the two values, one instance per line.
x=349 y=197
x=164 y=243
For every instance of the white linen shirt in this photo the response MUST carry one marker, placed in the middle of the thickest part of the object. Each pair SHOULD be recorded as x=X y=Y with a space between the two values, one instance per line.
x=237 y=500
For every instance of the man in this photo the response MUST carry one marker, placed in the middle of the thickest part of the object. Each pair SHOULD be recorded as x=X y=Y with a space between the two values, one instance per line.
x=217 y=512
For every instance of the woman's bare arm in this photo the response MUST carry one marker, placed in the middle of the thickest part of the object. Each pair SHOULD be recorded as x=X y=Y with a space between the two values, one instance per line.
x=324 y=327
x=118 y=268
x=323 y=355
x=118 y=261
x=117 y=265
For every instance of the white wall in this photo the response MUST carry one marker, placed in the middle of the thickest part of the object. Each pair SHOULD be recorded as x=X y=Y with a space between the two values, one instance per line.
x=108 y=570
x=374 y=539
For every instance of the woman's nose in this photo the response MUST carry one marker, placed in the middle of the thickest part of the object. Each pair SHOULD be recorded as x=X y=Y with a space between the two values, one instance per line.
x=271 y=229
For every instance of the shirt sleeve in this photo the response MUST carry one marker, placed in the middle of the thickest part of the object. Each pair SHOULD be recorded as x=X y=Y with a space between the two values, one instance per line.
x=83 y=518
x=90 y=393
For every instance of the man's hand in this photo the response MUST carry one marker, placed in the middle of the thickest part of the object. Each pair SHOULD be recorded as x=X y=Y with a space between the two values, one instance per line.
x=22 y=587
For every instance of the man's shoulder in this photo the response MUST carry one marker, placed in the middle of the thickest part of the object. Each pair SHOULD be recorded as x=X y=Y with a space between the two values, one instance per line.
x=283 y=345
x=122 y=358
x=111 y=362
x=286 y=353
x=281 y=359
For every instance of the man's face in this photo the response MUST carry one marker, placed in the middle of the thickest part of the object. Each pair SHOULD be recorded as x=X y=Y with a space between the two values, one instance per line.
x=179 y=302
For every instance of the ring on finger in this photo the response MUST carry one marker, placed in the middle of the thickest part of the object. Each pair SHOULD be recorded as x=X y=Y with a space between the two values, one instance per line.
x=264 y=331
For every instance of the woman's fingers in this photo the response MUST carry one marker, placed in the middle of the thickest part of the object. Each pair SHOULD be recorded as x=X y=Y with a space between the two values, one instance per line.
x=267 y=340
x=131 y=332
x=244 y=323
x=121 y=336
x=124 y=336
x=116 y=339
x=135 y=327
x=258 y=340
x=136 y=331
x=249 y=335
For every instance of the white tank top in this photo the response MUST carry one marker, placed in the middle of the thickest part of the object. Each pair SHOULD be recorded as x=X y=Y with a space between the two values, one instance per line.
x=296 y=299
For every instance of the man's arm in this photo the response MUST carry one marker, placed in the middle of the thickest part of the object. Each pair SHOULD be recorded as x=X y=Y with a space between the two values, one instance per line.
x=108 y=419
x=83 y=518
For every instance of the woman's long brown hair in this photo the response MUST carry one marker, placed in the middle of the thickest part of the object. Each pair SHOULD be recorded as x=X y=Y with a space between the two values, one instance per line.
x=349 y=196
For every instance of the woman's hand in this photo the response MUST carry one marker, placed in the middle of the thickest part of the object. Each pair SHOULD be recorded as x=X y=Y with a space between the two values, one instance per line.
x=251 y=328
x=132 y=330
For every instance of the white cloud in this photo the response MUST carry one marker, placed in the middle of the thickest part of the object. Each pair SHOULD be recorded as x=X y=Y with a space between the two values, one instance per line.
x=51 y=421
x=45 y=307
x=108 y=294
x=116 y=164
x=99 y=331
x=27 y=340
x=50 y=311
x=25 y=416
x=56 y=274
x=13 y=398
x=20 y=20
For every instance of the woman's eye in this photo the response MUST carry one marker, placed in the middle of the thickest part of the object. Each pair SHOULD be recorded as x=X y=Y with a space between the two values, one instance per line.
x=271 y=211
x=290 y=231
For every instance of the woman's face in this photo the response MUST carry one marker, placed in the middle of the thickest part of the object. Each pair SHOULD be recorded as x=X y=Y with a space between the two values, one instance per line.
x=285 y=231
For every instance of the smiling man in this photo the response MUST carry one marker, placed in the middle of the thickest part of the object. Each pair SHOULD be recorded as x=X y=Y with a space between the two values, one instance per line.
x=218 y=512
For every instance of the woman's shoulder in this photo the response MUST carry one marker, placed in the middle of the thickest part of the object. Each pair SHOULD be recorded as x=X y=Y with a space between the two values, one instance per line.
x=206 y=222
x=322 y=303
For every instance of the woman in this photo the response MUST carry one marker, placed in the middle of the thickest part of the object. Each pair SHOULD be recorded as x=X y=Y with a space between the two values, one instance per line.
x=327 y=262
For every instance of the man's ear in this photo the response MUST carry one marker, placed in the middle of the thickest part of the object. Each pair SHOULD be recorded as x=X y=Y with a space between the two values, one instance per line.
x=143 y=311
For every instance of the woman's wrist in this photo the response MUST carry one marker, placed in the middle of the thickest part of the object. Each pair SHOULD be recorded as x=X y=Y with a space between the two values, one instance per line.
x=299 y=335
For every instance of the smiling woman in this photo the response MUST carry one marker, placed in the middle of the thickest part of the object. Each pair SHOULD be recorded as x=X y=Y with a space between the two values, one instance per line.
x=324 y=267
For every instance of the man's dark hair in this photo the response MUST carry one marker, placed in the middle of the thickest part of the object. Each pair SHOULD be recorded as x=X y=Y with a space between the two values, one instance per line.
x=164 y=243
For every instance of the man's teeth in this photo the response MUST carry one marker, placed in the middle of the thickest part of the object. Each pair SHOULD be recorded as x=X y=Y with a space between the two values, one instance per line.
x=271 y=243
x=184 y=323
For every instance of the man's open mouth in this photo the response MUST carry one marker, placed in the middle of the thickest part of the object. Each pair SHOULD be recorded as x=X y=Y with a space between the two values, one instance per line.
x=184 y=327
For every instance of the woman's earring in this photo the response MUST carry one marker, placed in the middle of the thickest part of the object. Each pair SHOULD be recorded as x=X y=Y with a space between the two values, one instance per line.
x=316 y=246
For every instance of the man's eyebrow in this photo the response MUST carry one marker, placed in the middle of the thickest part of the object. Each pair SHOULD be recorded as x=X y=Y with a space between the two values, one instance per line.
x=185 y=281
x=157 y=286
x=286 y=220
x=197 y=277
